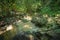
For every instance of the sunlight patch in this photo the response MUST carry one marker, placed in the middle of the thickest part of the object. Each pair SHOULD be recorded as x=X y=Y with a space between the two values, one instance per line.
x=10 y=27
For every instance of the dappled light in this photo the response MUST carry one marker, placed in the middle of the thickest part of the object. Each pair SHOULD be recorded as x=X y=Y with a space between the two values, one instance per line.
x=29 y=20
x=27 y=26
x=50 y=20
x=10 y=27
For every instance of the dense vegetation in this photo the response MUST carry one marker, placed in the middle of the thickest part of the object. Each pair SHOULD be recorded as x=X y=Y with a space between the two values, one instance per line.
x=31 y=19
